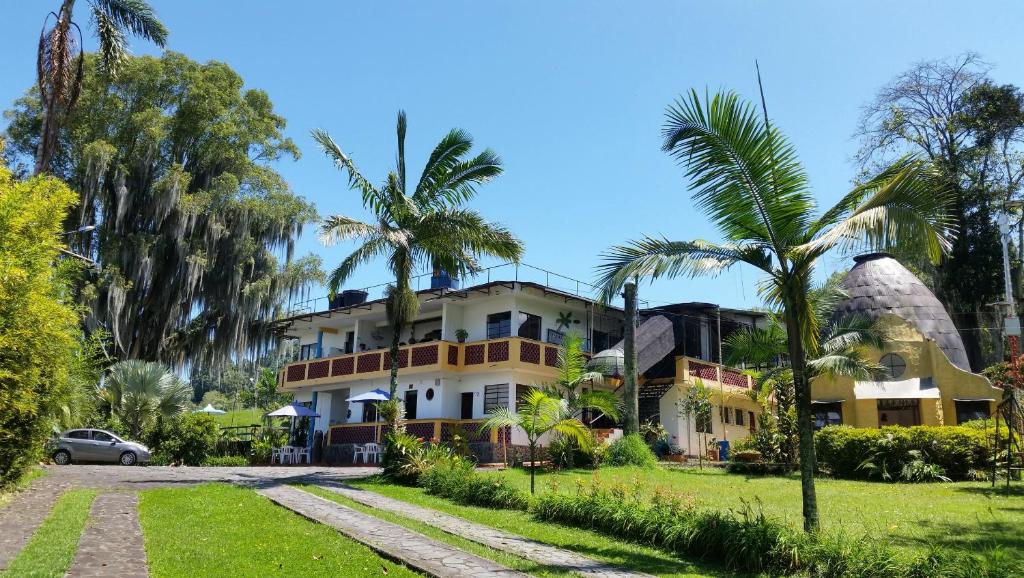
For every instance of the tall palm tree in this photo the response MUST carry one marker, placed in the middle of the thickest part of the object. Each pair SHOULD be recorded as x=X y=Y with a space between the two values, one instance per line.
x=539 y=414
x=750 y=185
x=136 y=392
x=60 y=60
x=425 y=226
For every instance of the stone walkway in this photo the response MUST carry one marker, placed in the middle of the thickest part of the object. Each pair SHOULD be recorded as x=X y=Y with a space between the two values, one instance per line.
x=111 y=545
x=488 y=536
x=411 y=548
x=23 y=516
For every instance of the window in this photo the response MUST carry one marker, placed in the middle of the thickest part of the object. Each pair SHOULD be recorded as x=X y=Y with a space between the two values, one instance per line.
x=602 y=340
x=970 y=410
x=495 y=396
x=894 y=365
x=499 y=325
x=555 y=337
x=307 y=351
x=102 y=436
x=529 y=326
x=739 y=416
x=725 y=414
x=369 y=412
x=752 y=421
x=521 y=391
x=829 y=413
x=79 y=434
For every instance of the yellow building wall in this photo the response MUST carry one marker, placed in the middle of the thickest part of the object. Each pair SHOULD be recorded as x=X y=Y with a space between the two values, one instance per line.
x=924 y=359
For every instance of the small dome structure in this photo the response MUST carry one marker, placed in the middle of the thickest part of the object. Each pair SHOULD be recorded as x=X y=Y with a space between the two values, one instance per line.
x=610 y=362
x=879 y=285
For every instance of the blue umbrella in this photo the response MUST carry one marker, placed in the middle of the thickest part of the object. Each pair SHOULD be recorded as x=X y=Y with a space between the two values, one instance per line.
x=372 y=396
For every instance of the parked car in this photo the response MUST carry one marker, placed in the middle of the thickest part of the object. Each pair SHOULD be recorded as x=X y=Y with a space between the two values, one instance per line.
x=96 y=445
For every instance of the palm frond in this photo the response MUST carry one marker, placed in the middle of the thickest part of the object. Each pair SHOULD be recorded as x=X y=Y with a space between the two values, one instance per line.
x=903 y=208
x=654 y=258
x=366 y=252
x=851 y=331
x=755 y=345
x=605 y=402
x=449 y=235
x=746 y=174
x=134 y=16
x=458 y=183
x=112 y=41
x=337 y=228
x=373 y=199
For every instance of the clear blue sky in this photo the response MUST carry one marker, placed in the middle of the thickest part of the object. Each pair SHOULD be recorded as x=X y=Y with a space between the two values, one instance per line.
x=570 y=94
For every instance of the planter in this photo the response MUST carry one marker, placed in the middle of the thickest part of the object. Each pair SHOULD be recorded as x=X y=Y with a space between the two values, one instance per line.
x=677 y=458
x=713 y=455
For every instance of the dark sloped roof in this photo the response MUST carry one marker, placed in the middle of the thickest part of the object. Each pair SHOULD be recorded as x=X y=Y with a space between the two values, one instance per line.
x=879 y=285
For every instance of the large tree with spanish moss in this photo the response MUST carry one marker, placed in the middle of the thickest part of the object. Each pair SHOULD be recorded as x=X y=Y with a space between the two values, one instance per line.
x=425 y=225
x=750 y=185
x=192 y=229
x=60 y=60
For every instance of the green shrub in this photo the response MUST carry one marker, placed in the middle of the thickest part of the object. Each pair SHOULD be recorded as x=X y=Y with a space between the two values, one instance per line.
x=919 y=453
x=457 y=481
x=189 y=439
x=226 y=461
x=630 y=450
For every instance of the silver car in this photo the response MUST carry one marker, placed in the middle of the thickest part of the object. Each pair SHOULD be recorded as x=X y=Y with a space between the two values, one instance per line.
x=96 y=445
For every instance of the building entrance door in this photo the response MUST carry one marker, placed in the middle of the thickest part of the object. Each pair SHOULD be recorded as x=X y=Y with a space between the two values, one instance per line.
x=467 y=406
x=902 y=412
x=410 y=404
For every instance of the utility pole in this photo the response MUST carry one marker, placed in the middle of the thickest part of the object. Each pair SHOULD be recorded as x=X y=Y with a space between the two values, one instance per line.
x=632 y=421
x=1012 y=323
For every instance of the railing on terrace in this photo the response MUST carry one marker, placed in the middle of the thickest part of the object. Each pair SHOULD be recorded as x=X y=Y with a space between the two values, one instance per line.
x=690 y=369
x=431 y=356
x=435 y=430
x=503 y=272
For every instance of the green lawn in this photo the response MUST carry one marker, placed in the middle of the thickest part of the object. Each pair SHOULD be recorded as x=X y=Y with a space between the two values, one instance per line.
x=963 y=514
x=236 y=417
x=595 y=545
x=52 y=548
x=9 y=492
x=222 y=530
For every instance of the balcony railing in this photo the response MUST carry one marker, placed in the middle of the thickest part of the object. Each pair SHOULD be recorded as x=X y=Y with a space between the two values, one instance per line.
x=690 y=369
x=422 y=357
x=436 y=430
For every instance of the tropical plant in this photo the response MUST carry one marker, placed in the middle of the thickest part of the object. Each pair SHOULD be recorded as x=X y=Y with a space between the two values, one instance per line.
x=751 y=186
x=136 y=392
x=189 y=439
x=193 y=230
x=631 y=450
x=576 y=385
x=60 y=63
x=44 y=364
x=696 y=405
x=539 y=414
x=424 y=226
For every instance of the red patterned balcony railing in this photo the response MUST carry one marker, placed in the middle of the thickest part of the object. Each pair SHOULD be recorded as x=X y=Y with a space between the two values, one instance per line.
x=711 y=372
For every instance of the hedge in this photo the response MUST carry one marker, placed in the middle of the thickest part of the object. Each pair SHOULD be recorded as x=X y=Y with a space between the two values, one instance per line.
x=842 y=451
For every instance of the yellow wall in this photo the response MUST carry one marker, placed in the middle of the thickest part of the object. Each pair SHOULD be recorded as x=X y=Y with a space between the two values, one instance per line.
x=924 y=359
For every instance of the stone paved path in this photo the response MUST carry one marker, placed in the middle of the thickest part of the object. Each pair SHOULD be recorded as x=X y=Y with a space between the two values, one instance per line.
x=488 y=536
x=413 y=549
x=111 y=545
x=20 y=518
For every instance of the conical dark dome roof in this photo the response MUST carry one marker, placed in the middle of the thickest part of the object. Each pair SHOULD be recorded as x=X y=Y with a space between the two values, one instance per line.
x=879 y=285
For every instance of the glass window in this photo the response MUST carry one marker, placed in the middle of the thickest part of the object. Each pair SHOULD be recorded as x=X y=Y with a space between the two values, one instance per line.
x=894 y=365
x=499 y=325
x=971 y=410
x=307 y=351
x=725 y=414
x=495 y=396
x=529 y=326
x=521 y=391
x=102 y=436
x=827 y=414
x=79 y=434
x=739 y=416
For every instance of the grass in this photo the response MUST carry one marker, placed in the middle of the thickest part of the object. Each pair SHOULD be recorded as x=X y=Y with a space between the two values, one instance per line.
x=592 y=544
x=237 y=417
x=966 y=515
x=10 y=491
x=52 y=548
x=510 y=560
x=222 y=530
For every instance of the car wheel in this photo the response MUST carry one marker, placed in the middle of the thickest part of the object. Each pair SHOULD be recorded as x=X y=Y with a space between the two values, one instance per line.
x=128 y=459
x=62 y=458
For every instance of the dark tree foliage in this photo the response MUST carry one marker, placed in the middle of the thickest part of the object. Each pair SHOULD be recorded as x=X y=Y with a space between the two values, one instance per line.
x=170 y=160
x=970 y=128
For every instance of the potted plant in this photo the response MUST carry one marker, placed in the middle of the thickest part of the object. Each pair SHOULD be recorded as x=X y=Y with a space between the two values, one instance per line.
x=713 y=453
x=461 y=335
x=675 y=454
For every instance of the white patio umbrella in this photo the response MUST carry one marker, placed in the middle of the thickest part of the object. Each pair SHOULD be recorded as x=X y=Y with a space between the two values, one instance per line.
x=293 y=410
x=209 y=409
x=372 y=396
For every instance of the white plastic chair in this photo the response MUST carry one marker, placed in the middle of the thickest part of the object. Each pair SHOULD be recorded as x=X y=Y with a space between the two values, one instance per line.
x=372 y=453
x=275 y=454
x=357 y=452
x=287 y=455
x=300 y=454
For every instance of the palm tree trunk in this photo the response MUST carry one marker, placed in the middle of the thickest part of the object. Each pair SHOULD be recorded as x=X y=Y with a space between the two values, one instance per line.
x=805 y=427
x=631 y=424
x=533 y=463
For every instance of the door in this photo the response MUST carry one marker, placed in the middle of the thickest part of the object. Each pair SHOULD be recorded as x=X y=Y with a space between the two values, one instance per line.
x=350 y=341
x=78 y=444
x=902 y=412
x=410 y=404
x=467 y=406
x=105 y=446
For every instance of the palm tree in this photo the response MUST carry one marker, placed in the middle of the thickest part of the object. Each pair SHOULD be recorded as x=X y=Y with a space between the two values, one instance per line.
x=426 y=226
x=540 y=413
x=137 y=392
x=60 y=63
x=572 y=379
x=751 y=186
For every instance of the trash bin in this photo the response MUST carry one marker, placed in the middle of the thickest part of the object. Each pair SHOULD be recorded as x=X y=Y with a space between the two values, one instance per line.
x=723 y=450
